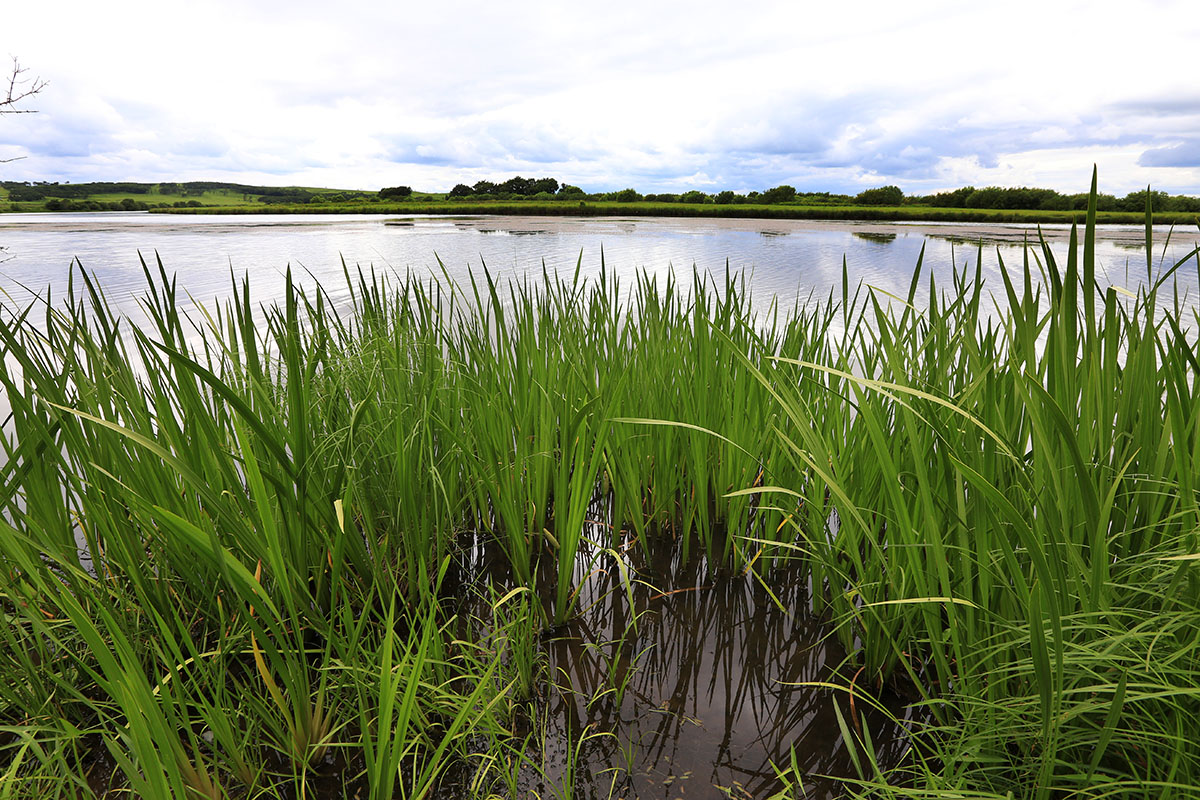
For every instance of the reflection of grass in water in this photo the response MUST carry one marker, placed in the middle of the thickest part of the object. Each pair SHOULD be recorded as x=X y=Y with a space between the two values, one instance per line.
x=509 y=232
x=972 y=241
x=703 y=669
x=876 y=237
x=988 y=511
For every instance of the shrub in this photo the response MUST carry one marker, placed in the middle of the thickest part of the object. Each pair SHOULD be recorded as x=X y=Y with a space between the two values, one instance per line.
x=882 y=196
x=395 y=192
x=779 y=194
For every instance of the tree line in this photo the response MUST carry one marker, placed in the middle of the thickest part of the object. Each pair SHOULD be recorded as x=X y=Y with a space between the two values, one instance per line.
x=78 y=196
x=989 y=197
x=19 y=191
x=82 y=196
x=1024 y=198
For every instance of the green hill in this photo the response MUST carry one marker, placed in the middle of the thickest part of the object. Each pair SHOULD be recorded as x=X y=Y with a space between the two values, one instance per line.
x=127 y=196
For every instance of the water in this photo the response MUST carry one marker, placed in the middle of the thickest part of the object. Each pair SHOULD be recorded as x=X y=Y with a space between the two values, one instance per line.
x=787 y=259
x=699 y=688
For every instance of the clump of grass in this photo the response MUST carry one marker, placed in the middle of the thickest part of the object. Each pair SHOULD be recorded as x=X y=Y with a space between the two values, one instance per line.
x=1016 y=528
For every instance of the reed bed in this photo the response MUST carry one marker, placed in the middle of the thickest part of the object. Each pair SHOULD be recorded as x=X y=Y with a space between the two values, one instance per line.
x=231 y=540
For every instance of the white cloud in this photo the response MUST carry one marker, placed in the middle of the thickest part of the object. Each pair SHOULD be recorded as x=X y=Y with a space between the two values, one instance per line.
x=659 y=96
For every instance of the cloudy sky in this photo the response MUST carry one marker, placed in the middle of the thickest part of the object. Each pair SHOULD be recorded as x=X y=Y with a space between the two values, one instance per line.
x=661 y=96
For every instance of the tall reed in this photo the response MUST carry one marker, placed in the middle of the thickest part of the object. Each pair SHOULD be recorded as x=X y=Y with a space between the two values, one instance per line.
x=1012 y=526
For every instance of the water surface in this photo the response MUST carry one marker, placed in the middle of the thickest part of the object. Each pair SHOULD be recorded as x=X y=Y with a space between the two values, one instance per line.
x=675 y=681
x=788 y=260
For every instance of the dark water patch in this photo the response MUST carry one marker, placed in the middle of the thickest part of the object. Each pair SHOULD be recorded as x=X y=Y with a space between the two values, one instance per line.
x=969 y=241
x=674 y=682
x=874 y=236
x=510 y=231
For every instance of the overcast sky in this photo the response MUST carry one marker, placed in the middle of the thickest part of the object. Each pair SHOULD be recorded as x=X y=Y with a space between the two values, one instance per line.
x=660 y=96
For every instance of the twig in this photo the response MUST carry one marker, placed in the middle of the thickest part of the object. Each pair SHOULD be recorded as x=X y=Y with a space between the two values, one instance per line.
x=20 y=89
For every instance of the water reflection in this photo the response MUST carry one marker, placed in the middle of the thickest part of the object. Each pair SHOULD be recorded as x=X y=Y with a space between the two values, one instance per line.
x=509 y=232
x=789 y=259
x=875 y=236
x=712 y=700
x=695 y=689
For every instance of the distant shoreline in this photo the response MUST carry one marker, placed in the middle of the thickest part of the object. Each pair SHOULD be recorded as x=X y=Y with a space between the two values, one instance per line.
x=546 y=197
x=707 y=210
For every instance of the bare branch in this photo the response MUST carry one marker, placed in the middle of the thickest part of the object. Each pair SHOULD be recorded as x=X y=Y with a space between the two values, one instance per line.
x=19 y=88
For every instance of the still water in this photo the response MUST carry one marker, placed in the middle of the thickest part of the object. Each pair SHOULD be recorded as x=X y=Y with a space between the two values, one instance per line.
x=689 y=683
x=788 y=260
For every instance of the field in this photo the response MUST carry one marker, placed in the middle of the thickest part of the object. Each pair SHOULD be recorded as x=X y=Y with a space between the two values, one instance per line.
x=907 y=213
x=212 y=198
x=312 y=551
x=143 y=196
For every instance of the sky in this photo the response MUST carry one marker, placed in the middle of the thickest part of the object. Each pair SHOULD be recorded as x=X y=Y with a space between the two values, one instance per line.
x=659 y=96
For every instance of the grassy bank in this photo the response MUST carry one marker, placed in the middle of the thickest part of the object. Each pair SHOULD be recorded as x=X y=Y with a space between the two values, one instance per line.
x=238 y=568
x=228 y=198
x=17 y=196
x=906 y=213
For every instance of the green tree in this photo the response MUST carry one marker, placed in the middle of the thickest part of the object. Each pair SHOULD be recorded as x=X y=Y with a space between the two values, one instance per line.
x=395 y=192
x=881 y=196
x=461 y=190
x=1136 y=201
x=987 y=197
x=779 y=194
x=954 y=199
x=1104 y=202
x=516 y=185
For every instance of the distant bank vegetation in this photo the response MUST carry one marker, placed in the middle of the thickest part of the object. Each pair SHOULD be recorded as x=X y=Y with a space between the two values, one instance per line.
x=39 y=196
x=990 y=197
x=127 y=196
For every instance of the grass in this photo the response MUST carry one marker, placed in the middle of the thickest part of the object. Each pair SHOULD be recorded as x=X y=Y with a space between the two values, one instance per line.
x=232 y=201
x=212 y=197
x=229 y=540
x=109 y=196
x=906 y=213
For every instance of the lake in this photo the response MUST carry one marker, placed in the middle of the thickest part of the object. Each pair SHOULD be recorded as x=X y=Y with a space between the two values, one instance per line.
x=788 y=260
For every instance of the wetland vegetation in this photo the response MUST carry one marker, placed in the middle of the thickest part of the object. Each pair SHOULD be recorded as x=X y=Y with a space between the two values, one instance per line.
x=500 y=539
x=547 y=197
